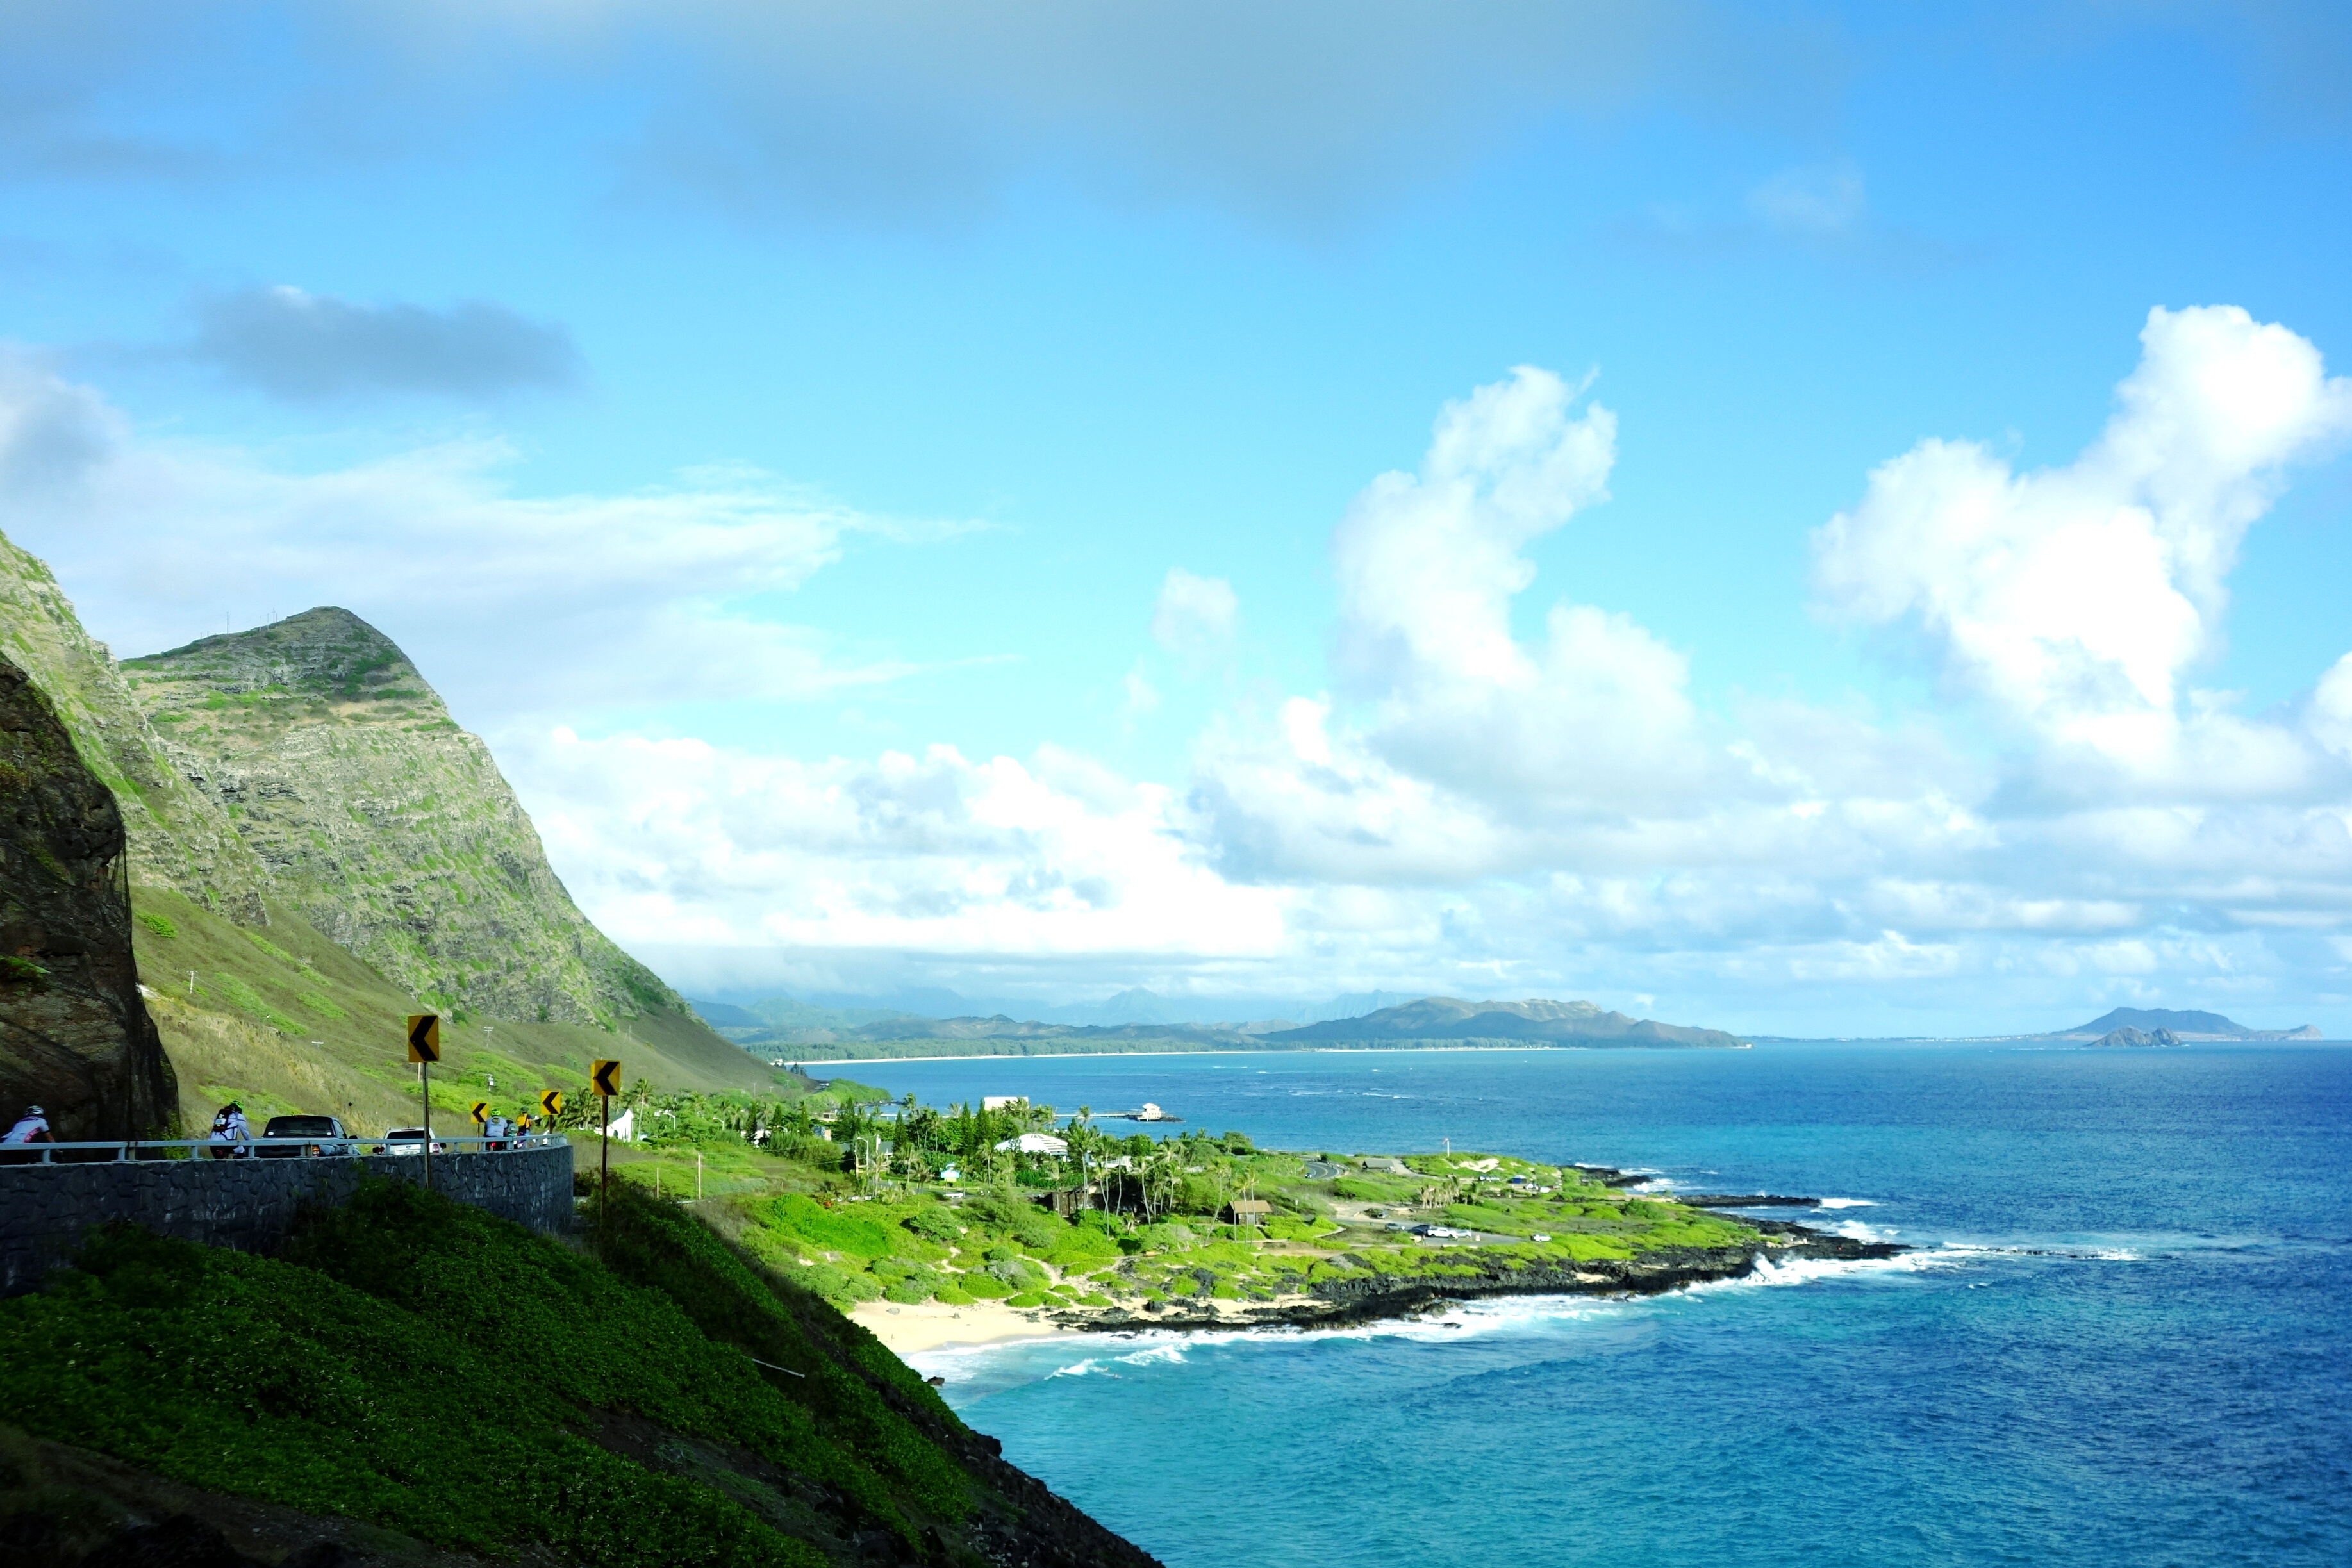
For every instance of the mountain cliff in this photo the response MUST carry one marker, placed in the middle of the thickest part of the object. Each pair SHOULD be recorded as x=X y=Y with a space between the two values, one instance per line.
x=1537 y=1021
x=388 y=828
x=75 y=1037
x=306 y=771
x=178 y=837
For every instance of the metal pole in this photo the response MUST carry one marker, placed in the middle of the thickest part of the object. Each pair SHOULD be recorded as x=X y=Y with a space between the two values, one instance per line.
x=604 y=1163
x=425 y=1093
x=698 y=1175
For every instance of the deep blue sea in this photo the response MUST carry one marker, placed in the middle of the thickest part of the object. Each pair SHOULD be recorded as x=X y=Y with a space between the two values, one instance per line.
x=2126 y=1337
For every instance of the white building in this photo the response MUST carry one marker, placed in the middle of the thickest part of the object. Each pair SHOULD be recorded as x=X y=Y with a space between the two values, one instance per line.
x=1033 y=1143
x=1002 y=1101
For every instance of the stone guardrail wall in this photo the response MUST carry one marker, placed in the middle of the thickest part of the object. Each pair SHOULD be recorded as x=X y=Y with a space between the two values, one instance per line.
x=250 y=1204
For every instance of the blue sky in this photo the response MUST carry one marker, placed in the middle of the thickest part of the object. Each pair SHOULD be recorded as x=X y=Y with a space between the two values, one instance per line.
x=775 y=429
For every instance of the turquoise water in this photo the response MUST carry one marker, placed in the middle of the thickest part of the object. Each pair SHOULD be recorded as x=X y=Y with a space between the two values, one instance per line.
x=2125 y=1338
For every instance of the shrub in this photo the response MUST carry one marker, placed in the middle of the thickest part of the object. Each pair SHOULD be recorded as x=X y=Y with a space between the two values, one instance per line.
x=320 y=1005
x=160 y=925
x=821 y=1227
x=1039 y=1233
x=934 y=1224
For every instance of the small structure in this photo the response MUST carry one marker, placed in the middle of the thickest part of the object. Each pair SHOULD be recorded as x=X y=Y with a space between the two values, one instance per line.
x=1033 y=1143
x=1152 y=1112
x=1388 y=1163
x=1247 y=1211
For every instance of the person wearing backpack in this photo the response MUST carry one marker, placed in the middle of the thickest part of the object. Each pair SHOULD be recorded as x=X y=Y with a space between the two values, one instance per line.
x=230 y=1129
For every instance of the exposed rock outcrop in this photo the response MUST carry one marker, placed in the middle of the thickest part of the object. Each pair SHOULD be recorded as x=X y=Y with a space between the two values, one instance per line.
x=2139 y=1037
x=179 y=838
x=75 y=1037
x=382 y=823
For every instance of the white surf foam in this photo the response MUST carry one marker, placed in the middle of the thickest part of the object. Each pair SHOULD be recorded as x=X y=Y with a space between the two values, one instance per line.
x=1848 y=1203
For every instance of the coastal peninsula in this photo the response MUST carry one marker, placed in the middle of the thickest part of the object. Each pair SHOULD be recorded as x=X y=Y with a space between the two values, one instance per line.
x=1089 y=1231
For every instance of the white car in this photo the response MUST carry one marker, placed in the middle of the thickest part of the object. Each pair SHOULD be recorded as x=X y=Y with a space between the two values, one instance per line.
x=409 y=1141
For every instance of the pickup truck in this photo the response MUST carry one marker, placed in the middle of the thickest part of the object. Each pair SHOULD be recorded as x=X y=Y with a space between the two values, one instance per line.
x=287 y=1137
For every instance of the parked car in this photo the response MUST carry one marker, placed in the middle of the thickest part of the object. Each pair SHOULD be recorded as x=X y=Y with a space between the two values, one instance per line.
x=286 y=1136
x=409 y=1141
x=1443 y=1232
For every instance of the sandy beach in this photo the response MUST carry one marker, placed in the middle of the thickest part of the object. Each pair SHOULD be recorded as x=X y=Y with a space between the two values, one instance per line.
x=929 y=1326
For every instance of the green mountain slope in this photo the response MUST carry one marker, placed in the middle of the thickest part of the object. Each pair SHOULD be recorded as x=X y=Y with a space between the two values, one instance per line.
x=316 y=851
x=180 y=838
x=285 y=1021
x=387 y=827
x=425 y=1369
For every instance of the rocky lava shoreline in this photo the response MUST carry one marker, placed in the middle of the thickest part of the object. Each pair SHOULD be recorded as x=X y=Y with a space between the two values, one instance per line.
x=1338 y=1303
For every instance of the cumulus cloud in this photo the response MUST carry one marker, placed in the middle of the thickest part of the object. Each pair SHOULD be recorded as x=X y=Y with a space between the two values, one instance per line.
x=1466 y=806
x=518 y=604
x=2077 y=601
x=1452 y=747
x=1195 y=616
x=679 y=841
x=308 y=347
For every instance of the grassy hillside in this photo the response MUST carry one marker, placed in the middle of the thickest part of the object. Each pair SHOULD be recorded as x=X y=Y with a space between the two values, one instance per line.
x=669 y=1405
x=283 y=1019
x=383 y=824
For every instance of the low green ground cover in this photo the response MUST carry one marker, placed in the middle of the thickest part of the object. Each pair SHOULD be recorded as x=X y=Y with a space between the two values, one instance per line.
x=318 y=1380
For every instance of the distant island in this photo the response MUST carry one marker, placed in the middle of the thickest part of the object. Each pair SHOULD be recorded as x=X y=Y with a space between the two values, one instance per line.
x=2168 y=1026
x=1445 y=1022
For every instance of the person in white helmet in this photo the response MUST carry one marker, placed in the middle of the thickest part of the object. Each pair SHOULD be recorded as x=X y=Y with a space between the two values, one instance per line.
x=32 y=1127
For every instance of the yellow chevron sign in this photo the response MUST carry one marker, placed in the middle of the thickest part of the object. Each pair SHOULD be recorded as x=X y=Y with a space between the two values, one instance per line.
x=425 y=1037
x=604 y=1078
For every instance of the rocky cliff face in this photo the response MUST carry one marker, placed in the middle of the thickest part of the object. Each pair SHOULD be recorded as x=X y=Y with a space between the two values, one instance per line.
x=75 y=1037
x=387 y=827
x=179 y=838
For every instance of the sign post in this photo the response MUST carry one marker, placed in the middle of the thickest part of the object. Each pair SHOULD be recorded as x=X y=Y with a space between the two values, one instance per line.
x=480 y=1110
x=605 y=1082
x=424 y=1050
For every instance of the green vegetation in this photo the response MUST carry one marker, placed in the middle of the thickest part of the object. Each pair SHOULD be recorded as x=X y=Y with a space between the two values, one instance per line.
x=291 y=1018
x=323 y=1380
x=871 y=1211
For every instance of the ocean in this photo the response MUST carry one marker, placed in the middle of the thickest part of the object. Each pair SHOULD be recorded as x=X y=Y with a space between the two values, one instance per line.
x=2125 y=1336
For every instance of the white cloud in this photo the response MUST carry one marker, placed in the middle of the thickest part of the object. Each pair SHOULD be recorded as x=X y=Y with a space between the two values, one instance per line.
x=676 y=841
x=1464 y=809
x=2077 y=601
x=517 y=605
x=1195 y=616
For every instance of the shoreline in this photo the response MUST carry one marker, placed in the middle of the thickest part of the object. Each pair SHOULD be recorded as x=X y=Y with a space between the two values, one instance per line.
x=913 y=1330
x=805 y=1063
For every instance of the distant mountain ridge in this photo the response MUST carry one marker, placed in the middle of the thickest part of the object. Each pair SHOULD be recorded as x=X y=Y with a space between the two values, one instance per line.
x=1428 y=1020
x=2180 y=1024
x=820 y=1017
x=1536 y=1021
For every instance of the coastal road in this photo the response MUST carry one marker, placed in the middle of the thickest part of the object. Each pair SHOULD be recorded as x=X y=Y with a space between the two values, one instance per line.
x=1323 y=1170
